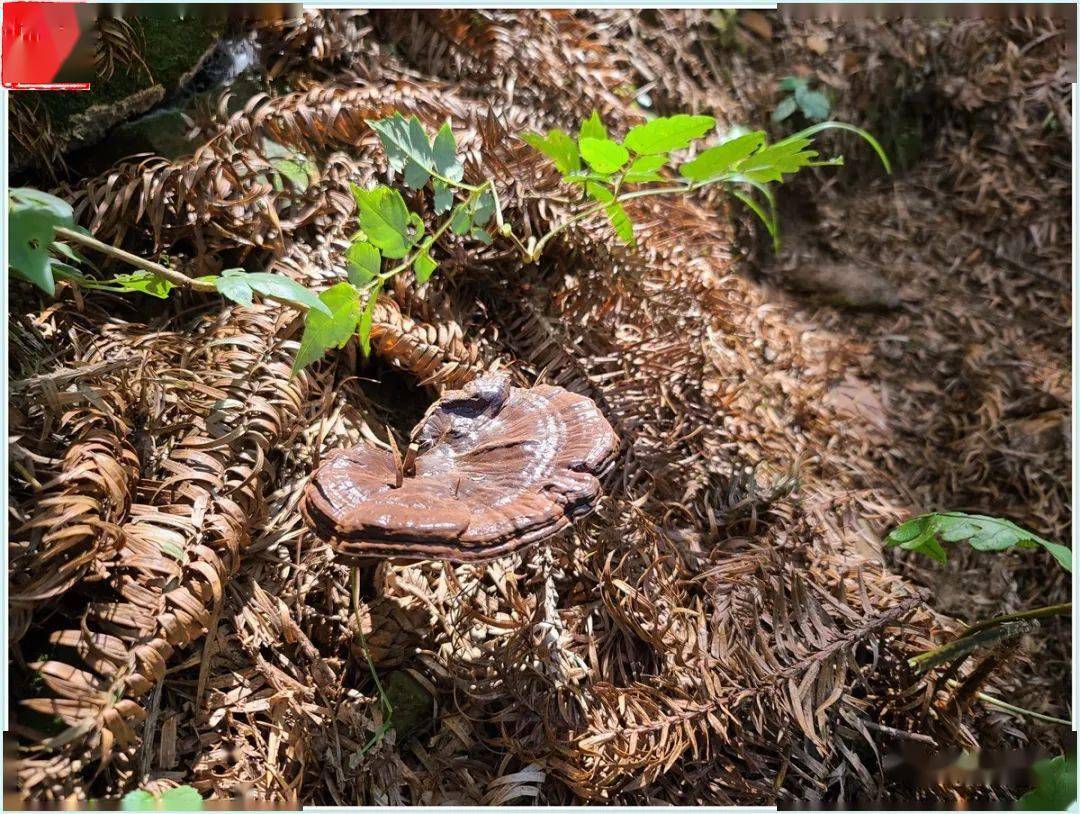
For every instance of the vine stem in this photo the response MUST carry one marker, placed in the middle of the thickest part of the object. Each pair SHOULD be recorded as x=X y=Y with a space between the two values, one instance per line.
x=175 y=277
x=178 y=279
x=596 y=208
x=363 y=641
x=1005 y=705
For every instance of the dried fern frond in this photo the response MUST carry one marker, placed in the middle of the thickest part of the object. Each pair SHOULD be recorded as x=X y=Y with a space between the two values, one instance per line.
x=119 y=44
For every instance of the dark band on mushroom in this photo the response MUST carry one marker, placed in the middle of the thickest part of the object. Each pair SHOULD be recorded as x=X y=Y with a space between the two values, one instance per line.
x=497 y=468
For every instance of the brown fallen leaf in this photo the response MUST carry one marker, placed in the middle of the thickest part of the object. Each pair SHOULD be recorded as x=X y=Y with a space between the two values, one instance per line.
x=757 y=23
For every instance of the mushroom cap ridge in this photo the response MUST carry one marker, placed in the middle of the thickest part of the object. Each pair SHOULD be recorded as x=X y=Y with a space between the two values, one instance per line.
x=499 y=468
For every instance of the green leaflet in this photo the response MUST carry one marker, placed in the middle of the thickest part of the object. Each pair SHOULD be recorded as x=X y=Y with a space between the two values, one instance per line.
x=144 y=281
x=925 y=534
x=624 y=227
x=645 y=169
x=445 y=156
x=364 y=263
x=237 y=285
x=461 y=221
x=444 y=197
x=786 y=107
x=480 y=234
x=667 y=133
x=323 y=331
x=139 y=800
x=604 y=155
x=719 y=159
x=592 y=127
x=423 y=265
x=559 y=147
x=181 y=798
x=32 y=217
x=812 y=103
x=385 y=219
x=773 y=162
x=485 y=208
x=296 y=172
x=407 y=148
x=69 y=253
x=296 y=168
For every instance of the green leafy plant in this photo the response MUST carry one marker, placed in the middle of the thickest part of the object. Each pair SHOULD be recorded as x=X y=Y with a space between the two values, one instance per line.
x=391 y=238
x=813 y=104
x=180 y=798
x=926 y=533
x=1055 y=785
x=611 y=172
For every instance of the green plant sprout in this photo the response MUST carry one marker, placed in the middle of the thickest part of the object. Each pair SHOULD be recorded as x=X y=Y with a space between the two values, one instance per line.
x=391 y=239
x=814 y=105
x=926 y=533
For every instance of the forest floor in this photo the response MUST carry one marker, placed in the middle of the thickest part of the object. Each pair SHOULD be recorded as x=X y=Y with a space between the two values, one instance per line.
x=726 y=628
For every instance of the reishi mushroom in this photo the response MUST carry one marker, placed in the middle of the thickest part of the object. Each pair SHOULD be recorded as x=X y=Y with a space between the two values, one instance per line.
x=491 y=469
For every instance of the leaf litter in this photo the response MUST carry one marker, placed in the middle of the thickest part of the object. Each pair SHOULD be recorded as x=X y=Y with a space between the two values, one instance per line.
x=724 y=629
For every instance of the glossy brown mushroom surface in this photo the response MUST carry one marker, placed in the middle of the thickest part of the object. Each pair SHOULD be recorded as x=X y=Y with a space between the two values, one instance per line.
x=498 y=468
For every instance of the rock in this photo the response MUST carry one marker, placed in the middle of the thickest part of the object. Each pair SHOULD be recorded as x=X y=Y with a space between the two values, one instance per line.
x=845 y=285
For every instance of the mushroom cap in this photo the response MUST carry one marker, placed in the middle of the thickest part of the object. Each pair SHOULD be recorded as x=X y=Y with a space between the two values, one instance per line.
x=499 y=467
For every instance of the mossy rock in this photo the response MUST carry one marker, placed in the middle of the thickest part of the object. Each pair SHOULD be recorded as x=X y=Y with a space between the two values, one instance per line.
x=174 y=48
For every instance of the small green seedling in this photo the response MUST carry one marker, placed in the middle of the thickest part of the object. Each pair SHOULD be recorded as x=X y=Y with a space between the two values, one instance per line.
x=813 y=104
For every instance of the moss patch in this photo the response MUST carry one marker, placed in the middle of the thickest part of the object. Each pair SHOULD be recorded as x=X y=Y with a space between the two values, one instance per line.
x=173 y=47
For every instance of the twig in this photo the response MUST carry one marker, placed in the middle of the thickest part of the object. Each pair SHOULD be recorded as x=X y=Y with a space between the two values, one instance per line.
x=899 y=733
x=386 y=724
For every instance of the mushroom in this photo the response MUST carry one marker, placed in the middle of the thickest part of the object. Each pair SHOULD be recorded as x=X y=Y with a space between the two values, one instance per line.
x=491 y=468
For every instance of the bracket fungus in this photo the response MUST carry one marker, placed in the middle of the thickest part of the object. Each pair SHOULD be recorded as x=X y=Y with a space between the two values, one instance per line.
x=491 y=468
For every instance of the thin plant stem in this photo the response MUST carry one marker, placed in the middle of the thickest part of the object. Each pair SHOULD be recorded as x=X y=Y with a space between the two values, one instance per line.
x=360 y=635
x=386 y=724
x=599 y=207
x=1005 y=705
x=175 y=277
x=178 y=279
